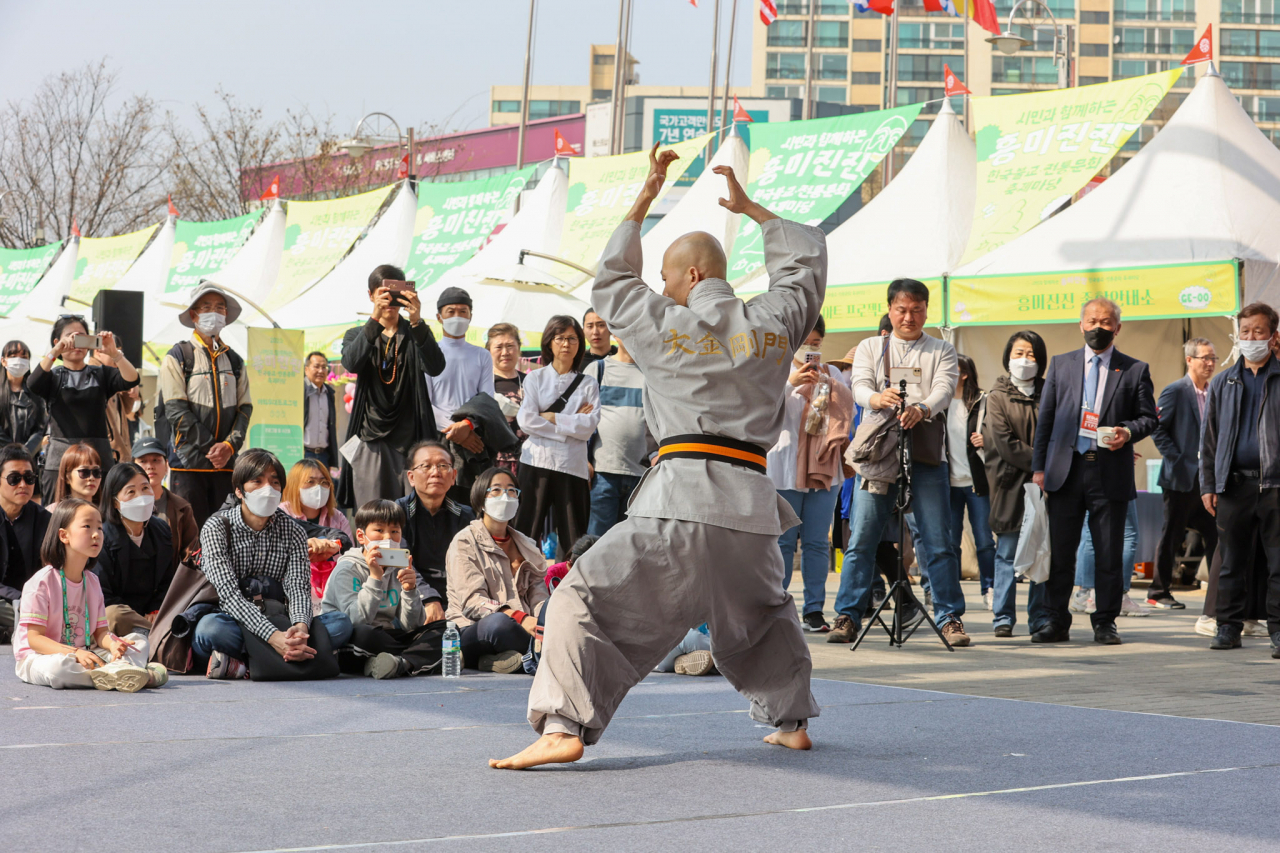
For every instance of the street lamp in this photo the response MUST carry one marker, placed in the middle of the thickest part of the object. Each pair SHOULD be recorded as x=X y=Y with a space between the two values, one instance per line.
x=1009 y=42
x=377 y=134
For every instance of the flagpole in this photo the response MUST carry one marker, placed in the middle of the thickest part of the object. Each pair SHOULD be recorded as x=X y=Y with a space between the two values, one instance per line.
x=808 y=62
x=617 y=80
x=892 y=88
x=728 y=69
x=968 y=74
x=711 y=90
x=524 y=98
x=620 y=116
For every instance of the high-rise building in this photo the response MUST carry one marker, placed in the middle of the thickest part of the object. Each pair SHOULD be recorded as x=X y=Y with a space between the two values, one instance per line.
x=1106 y=40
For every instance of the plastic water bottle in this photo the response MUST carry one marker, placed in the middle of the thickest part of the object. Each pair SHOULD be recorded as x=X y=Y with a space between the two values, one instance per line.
x=550 y=545
x=451 y=663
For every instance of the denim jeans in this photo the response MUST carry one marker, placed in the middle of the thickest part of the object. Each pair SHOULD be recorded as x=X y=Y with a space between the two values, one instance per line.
x=1005 y=591
x=816 y=510
x=221 y=632
x=609 y=496
x=1085 y=566
x=979 y=509
x=931 y=505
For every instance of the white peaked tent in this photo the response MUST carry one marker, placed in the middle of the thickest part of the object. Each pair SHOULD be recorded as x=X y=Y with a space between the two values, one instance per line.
x=918 y=226
x=335 y=297
x=698 y=210
x=31 y=320
x=150 y=271
x=251 y=272
x=1206 y=188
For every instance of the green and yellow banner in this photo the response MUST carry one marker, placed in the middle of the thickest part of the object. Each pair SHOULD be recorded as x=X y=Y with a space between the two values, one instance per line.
x=1143 y=293
x=1037 y=150
x=804 y=170
x=103 y=261
x=316 y=236
x=20 y=270
x=275 y=375
x=455 y=219
x=602 y=190
x=859 y=307
x=202 y=249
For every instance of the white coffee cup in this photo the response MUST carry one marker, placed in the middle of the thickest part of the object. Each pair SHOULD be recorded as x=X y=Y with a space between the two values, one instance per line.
x=1106 y=434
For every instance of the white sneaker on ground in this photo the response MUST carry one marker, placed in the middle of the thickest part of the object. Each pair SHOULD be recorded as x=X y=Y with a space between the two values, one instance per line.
x=1254 y=628
x=121 y=676
x=1082 y=601
x=694 y=663
x=1129 y=607
x=1206 y=626
x=988 y=598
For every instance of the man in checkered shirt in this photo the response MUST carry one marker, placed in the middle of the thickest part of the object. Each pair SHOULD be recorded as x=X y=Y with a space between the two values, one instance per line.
x=254 y=539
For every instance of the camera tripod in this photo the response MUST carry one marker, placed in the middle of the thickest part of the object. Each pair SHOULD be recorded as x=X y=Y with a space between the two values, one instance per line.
x=900 y=592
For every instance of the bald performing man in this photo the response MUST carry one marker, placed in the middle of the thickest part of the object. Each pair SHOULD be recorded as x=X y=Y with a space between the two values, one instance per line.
x=700 y=543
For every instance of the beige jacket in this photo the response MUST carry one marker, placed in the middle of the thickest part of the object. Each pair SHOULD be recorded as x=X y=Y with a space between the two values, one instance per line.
x=480 y=580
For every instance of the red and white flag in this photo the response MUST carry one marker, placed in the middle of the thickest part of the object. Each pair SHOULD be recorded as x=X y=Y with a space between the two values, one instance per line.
x=75 y=227
x=173 y=211
x=768 y=12
x=884 y=7
x=273 y=190
x=952 y=82
x=563 y=148
x=1203 y=51
x=739 y=111
x=403 y=171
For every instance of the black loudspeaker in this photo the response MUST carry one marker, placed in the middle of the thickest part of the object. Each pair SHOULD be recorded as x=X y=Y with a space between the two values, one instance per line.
x=120 y=312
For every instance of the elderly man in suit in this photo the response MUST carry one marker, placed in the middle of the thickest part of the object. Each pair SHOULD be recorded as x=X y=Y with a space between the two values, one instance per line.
x=1181 y=409
x=319 y=413
x=1096 y=403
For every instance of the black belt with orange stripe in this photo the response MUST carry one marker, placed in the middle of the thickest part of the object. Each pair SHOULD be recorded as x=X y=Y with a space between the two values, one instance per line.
x=713 y=447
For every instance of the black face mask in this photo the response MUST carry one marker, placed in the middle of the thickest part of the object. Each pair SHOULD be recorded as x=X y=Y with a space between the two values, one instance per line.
x=1099 y=338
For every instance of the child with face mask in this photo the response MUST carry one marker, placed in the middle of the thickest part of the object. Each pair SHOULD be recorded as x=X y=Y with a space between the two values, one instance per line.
x=496 y=579
x=390 y=629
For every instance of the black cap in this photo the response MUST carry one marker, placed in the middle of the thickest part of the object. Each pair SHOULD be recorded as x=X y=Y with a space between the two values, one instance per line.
x=453 y=296
x=149 y=444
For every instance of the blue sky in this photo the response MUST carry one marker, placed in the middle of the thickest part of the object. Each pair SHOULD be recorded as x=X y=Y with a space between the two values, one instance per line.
x=421 y=62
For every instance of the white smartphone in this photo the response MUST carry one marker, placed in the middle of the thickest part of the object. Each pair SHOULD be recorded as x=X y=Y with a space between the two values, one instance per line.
x=93 y=342
x=812 y=358
x=898 y=375
x=394 y=558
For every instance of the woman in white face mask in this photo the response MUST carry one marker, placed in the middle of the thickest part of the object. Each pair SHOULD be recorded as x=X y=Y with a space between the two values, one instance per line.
x=496 y=579
x=1008 y=433
x=23 y=416
x=136 y=564
x=309 y=496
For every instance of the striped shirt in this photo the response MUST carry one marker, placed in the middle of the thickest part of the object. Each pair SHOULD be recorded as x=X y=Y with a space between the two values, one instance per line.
x=277 y=551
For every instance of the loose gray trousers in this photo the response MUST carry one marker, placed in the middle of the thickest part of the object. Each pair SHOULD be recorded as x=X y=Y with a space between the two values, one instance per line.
x=636 y=593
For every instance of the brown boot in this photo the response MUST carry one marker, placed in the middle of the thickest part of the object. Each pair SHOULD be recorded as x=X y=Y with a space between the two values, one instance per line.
x=954 y=633
x=844 y=631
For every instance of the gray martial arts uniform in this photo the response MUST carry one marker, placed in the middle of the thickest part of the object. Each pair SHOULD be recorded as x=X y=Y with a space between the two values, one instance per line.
x=700 y=541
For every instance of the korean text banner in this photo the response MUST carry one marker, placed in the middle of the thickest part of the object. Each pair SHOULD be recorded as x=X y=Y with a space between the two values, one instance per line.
x=1144 y=293
x=602 y=190
x=104 y=260
x=455 y=219
x=1036 y=150
x=672 y=126
x=275 y=375
x=804 y=170
x=201 y=249
x=20 y=269
x=316 y=236
x=859 y=307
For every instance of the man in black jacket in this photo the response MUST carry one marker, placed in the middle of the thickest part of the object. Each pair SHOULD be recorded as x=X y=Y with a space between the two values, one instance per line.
x=1096 y=403
x=1181 y=408
x=392 y=407
x=22 y=529
x=432 y=520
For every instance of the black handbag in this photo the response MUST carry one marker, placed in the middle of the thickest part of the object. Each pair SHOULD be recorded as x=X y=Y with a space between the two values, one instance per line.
x=266 y=664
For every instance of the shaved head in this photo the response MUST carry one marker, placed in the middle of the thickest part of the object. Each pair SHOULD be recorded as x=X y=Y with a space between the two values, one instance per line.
x=690 y=259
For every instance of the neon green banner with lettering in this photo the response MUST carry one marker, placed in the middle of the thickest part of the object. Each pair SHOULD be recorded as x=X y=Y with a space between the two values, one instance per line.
x=275 y=375
x=20 y=269
x=202 y=249
x=103 y=261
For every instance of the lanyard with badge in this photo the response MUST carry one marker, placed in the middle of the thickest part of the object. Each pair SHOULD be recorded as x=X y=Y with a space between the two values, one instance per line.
x=69 y=632
x=1089 y=417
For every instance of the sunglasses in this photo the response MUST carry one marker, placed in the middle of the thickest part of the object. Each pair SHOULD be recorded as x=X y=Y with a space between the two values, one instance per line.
x=89 y=473
x=14 y=478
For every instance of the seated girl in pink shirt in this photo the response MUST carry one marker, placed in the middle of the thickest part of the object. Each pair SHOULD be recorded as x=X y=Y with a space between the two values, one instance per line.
x=62 y=638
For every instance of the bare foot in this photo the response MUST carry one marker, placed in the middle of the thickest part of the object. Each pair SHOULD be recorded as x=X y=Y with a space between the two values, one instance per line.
x=548 y=749
x=799 y=739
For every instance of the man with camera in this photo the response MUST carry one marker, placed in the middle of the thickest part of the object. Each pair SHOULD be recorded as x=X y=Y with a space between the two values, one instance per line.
x=392 y=408
x=929 y=366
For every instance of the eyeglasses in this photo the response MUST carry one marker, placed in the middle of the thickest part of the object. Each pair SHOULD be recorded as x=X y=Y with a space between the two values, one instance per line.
x=506 y=348
x=13 y=478
x=497 y=492
x=89 y=473
x=1212 y=359
x=79 y=317
x=563 y=341
x=442 y=467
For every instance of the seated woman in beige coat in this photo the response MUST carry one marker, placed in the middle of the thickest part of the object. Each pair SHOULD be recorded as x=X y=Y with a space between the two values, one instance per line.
x=495 y=579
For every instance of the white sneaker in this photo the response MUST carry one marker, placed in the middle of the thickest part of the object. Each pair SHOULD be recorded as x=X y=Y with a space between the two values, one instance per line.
x=988 y=598
x=1082 y=601
x=1129 y=607
x=120 y=675
x=1254 y=628
x=1207 y=626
